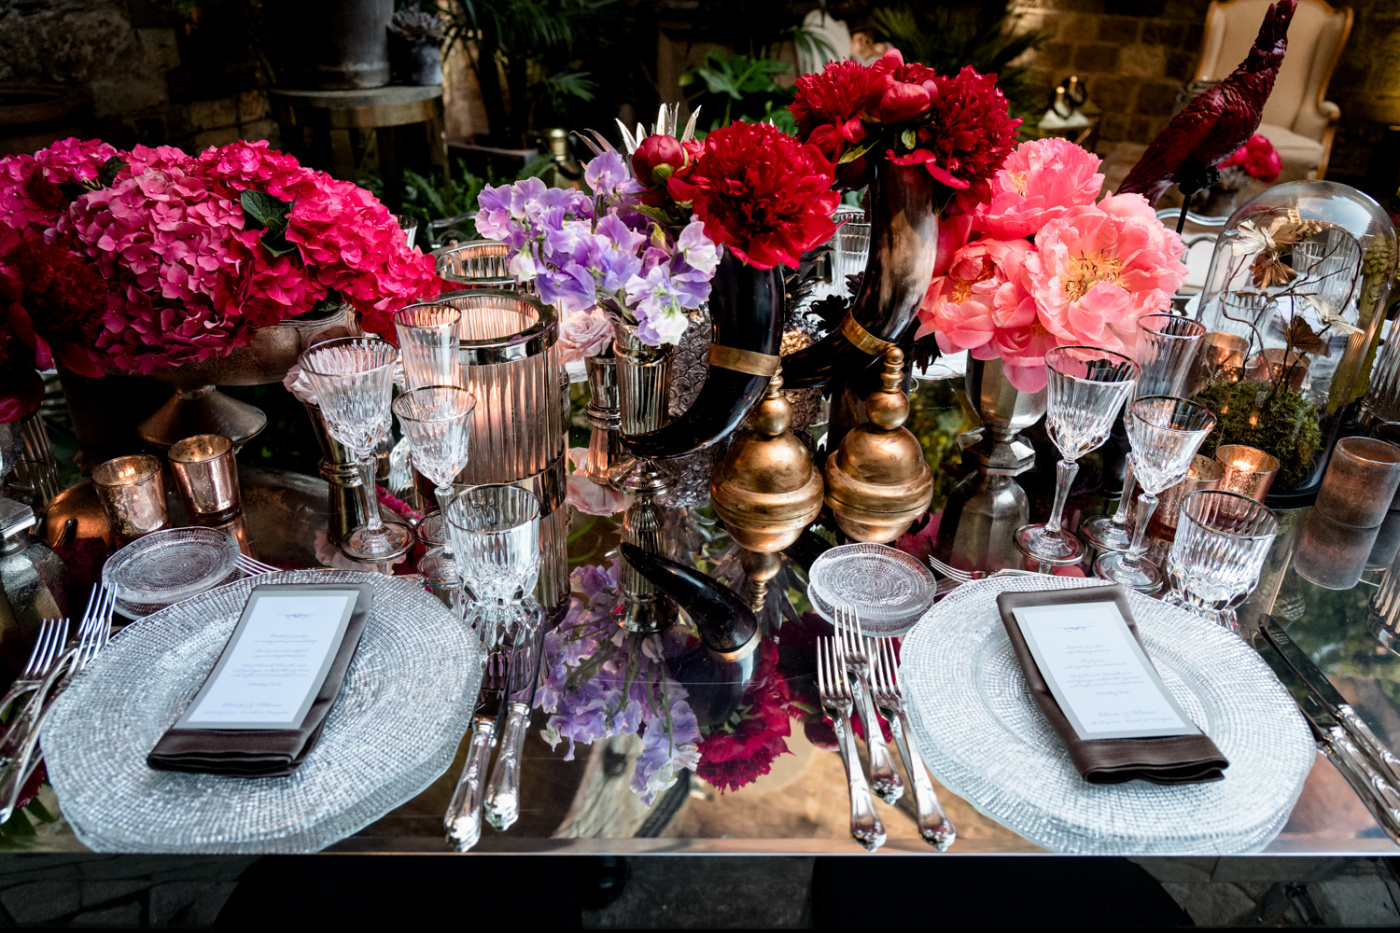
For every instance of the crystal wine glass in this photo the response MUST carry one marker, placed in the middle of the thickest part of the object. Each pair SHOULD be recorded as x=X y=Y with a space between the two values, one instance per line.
x=353 y=378
x=437 y=423
x=1166 y=349
x=1165 y=433
x=1086 y=388
x=495 y=530
x=1219 y=550
x=428 y=334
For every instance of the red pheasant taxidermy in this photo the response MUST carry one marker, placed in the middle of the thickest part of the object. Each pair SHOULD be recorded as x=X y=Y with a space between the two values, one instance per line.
x=1218 y=122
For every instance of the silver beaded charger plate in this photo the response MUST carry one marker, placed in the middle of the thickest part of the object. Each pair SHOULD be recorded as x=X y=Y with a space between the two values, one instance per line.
x=982 y=735
x=403 y=708
x=889 y=589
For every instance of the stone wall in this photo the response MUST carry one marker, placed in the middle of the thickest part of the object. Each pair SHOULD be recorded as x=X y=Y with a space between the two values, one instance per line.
x=1135 y=55
x=154 y=76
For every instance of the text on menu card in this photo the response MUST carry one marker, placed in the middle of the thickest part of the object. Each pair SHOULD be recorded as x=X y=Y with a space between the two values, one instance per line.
x=1098 y=673
x=275 y=663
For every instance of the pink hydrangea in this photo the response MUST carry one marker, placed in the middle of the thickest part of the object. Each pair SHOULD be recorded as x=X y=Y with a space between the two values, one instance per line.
x=1038 y=183
x=1098 y=269
x=983 y=304
x=31 y=186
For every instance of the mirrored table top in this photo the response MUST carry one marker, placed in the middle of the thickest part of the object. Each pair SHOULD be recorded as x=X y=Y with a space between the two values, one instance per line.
x=766 y=777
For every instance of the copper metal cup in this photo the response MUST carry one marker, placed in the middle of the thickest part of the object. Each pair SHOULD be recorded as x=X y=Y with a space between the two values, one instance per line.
x=132 y=494
x=1204 y=473
x=207 y=478
x=1221 y=358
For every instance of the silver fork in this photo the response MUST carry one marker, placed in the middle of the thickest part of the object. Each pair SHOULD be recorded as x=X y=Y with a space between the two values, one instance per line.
x=852 y=651
x=253 y=567
x=19 y=751
x=934 y=826
x=463 y=817
x=835 y=695
x=959 y=577
x=52 y=635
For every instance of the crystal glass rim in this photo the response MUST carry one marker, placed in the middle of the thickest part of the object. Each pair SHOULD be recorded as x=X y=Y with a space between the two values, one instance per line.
x=406 y=416
x=1135 y=368
x=1254 y=505
x=1199 y=329
x=533 y=499
x=1210 y=426
x=305 y=359
x=1370 y=443
x=436 y=306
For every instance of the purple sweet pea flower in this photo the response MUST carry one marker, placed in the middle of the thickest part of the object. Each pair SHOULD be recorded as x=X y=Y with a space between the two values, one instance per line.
x=605 y=173
x=698 y=251
x=571 y=288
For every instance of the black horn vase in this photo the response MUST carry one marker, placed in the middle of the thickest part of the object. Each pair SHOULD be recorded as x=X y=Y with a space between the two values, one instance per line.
x=746 y=310
x=725 y=622
x=903 y=251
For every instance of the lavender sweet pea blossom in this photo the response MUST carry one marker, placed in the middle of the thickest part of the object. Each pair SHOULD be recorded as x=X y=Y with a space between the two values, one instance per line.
x=583 y=252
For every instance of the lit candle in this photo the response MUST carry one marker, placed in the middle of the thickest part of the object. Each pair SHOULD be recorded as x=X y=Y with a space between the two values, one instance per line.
x=1220 y=359
x=132 y=494
x=1269 y=368
x=1248 y=470
x=1204 y=473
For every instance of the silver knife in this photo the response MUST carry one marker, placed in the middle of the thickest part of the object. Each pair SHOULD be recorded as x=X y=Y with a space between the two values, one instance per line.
x=503 y=790
x=1381 y=757
x=1376 y=793
x=463 y=818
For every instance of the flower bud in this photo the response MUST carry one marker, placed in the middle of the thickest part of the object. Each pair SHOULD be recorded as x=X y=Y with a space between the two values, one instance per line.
x=657 y=158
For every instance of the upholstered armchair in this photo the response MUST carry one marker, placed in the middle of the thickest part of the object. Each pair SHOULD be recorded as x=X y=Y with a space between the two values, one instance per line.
x=1298 y=118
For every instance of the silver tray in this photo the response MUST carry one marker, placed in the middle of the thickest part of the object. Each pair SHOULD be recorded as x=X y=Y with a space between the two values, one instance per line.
x=402 y=711
x=983 y=736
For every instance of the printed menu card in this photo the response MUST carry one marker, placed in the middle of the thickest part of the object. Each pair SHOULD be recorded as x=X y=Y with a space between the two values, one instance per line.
x=1087 y=671
x=262 y=707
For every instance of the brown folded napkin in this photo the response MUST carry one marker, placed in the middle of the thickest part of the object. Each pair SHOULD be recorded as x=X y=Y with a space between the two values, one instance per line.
x=266 y=752
x=1176 y=759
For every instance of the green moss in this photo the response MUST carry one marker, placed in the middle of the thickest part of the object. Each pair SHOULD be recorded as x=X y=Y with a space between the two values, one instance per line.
x=1284 y=425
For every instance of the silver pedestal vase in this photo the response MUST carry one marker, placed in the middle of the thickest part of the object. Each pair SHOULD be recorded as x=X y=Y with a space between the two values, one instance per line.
x=986 y=508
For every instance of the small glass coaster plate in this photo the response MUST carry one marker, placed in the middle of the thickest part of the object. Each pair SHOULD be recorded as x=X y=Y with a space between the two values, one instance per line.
x=888 y=588
x=167 y=566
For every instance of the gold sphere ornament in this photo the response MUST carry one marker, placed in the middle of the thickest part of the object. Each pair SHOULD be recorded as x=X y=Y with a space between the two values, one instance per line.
x=766 y=490
x=877 y=482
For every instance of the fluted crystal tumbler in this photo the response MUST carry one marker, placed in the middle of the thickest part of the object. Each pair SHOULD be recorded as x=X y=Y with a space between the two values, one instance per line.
x=1165 y=432
x=1166 y=349
x=1221 y=542
x=495 y=530
x=436 y=422
x=428 y=337
x=1085 y=390
x=354 y=382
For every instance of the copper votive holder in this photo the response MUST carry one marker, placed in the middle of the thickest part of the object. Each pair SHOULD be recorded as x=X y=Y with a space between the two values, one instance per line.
x=1220 y=359
x=1204 y=473
x=1360 y=481
x=1248 y=470
x=1270 y=366
x=132 y=494
x=207 y=478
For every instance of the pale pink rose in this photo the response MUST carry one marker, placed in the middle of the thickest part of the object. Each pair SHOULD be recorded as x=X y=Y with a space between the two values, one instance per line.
x=1098 y=269
x=1038 y=183
x=584 y=333
x=983 y=305
x=589 y=497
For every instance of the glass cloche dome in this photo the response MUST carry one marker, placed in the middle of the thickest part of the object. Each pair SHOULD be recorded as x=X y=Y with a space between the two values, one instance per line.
x=1293 y=305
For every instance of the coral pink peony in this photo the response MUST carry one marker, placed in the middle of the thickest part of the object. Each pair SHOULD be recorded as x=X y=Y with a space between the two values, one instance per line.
x=1098 y=269
x=1036 y=184
x=983 y=304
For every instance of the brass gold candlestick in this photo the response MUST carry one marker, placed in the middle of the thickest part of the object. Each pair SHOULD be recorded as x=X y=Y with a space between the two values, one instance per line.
x=877 y=482
x=766 y=489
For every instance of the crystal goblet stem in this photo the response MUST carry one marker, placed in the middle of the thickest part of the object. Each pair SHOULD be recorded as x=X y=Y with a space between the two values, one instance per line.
x=1065 y=472
x=1146 y=505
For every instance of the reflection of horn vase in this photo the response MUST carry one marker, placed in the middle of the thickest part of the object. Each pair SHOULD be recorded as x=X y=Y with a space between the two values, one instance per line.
x=726 y=625
x=746 y=307
x=903 y=250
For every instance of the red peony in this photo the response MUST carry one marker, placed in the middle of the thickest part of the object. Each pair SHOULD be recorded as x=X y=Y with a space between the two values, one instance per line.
x=832 y=97
x=1258 y=158
x=744 y=748
x=51 y=309
x=761 y=193
x=969 y=134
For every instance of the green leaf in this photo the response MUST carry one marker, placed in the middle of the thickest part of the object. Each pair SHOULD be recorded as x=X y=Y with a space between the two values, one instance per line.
x=909 y=137
x=266 y=211
x=39 y=810
x=110 y=170
x=855 y=152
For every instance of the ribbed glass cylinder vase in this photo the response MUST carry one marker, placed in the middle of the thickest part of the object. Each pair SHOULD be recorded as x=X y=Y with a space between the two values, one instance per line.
x=643 y=380
x=1382 y=400
x=477 y=264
